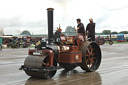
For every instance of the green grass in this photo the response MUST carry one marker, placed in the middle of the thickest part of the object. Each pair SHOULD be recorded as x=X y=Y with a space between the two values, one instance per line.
x=115 y=42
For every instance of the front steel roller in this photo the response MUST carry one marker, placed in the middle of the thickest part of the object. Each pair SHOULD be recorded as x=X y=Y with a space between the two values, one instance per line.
x=37 y=62
x=91 y=56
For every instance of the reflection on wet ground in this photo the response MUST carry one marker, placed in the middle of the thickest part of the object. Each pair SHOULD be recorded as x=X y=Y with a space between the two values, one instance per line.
x=113 y=69
x=69 y=78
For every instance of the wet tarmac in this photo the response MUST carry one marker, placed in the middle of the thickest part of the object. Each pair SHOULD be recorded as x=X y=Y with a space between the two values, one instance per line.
x=112 y=71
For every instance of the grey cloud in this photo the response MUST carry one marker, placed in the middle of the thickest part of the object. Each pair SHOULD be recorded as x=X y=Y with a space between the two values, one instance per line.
x=17 y=22
x=62 y=1
x=119 y=8
x=33 y=24
x=9 y=22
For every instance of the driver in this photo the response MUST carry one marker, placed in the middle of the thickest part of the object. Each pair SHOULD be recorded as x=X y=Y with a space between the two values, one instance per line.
x=80 y=27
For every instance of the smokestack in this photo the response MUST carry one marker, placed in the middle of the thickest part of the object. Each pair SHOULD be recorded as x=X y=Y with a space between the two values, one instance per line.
x=1 y=31
x=50 y=23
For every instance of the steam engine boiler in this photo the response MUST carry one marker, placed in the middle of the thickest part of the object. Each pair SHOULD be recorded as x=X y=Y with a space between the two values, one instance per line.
x=60 y=51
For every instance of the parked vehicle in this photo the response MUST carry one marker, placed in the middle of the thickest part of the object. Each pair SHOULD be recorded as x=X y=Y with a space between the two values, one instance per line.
x=1 y=43
x=120 y=38
x=15 y=44
x=100 y=40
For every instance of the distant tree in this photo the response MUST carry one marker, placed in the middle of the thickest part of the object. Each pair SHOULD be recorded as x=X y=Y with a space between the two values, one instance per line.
x=114 y=32
x=124 y=32
x=106 y=31
x=70 y=29
x=25 y=32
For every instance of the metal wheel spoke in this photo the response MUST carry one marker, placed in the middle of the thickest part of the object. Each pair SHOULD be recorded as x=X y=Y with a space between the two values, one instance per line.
x=93 y=54
x=92 y=50
x=94 y=65
x=87 y=55
x=93 y=58
x=89 y=47
x=87 y=61
x=88 y=51
x=90 y=65
x=44 y=64
x=92 y=62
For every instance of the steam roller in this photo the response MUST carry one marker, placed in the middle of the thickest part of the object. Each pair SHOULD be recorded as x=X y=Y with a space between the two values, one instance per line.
x=60 y=51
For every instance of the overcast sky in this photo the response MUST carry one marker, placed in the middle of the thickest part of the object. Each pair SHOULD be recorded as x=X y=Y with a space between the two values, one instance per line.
x=31 y=15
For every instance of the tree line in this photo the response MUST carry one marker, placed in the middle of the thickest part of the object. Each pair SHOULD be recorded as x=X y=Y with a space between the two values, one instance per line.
x=114 y=32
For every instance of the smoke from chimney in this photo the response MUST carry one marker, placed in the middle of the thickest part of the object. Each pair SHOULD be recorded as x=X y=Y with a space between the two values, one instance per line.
x=1 y=31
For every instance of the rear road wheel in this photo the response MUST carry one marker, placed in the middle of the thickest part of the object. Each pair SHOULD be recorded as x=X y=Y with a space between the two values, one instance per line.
x=91 y=56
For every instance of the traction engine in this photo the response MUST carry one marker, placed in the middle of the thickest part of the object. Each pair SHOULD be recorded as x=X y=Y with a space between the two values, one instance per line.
x=60 y=51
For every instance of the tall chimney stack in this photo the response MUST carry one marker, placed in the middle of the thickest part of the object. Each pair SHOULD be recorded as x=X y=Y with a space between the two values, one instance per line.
x=50 y=24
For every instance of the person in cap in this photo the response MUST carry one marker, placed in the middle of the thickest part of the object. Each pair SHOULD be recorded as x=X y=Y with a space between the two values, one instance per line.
x=90 y=29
